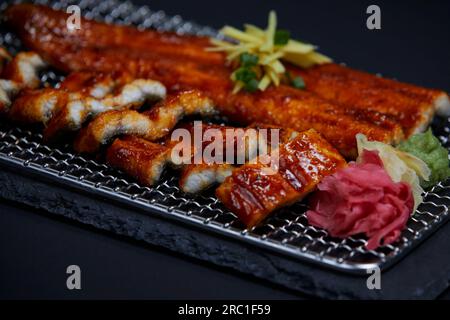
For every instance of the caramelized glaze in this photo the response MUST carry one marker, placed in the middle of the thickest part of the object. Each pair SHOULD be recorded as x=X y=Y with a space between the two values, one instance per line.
x=253 y=194
x=139 y=158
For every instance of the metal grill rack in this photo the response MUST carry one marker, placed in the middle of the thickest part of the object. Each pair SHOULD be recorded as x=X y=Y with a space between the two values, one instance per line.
x=287 y=232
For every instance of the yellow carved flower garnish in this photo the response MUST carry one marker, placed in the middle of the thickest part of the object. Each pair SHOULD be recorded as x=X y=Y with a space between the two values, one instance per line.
x=258 y=54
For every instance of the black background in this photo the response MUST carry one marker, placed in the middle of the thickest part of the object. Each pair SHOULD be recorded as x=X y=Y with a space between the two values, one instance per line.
x=35 y=248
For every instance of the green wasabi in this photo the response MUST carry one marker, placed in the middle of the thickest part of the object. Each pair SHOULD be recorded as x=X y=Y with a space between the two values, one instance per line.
x=427 y=147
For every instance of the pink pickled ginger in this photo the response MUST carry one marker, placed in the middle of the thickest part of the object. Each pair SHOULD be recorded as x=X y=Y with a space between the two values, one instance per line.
x=362 y=199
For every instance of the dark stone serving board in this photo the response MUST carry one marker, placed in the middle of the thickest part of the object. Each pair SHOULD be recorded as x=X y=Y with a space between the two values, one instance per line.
x=423 y=274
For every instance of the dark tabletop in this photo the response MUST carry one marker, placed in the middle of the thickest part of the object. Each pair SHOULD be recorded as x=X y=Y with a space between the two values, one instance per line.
x=36 y=248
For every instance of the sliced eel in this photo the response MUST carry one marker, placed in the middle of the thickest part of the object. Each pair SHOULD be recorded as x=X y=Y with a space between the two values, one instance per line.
x=40 y=105
x=151 y=125
x=254 y=191
x=144 y=160
x=74 y=114
x=20 y=72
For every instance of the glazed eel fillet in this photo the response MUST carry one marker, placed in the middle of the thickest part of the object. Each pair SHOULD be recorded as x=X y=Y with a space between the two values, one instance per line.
x=81 y=96
x=151 y=125
x=145 y=160
x=16 y=74
x=384 y=110
x=253 y=191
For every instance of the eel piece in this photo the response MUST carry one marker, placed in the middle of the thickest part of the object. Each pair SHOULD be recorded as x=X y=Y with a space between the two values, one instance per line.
x=144 y=160
x=151 y=125
x=77 y=111
x=255 y=190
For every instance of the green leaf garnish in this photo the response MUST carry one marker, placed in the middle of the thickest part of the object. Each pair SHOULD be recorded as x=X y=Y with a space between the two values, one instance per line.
x=252 y=85
x=298 y=83
x=264 y=51
x=248 y=60
x=281 y=37
x=245 y=74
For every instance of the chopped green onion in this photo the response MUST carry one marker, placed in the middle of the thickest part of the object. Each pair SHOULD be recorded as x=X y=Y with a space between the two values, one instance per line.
x=252 y=85
x=245 y=74
x=248 y=60
x=298 y=83
x=281 y=37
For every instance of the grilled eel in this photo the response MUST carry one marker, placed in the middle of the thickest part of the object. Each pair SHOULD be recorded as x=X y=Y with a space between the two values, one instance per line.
x=81 y=96
x=255 y=190
x=196 y=177
x=410 y=106
x=75 y=113
x=145 y=160
x=94 y=84
x=245 y=145
x=282 y=106
x=141 y=159
x=40 y=105
x=187 y=65
x=16 y=74
x=152 y=125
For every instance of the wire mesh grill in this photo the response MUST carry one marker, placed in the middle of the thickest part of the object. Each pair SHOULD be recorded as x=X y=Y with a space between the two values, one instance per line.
x=286 y=232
